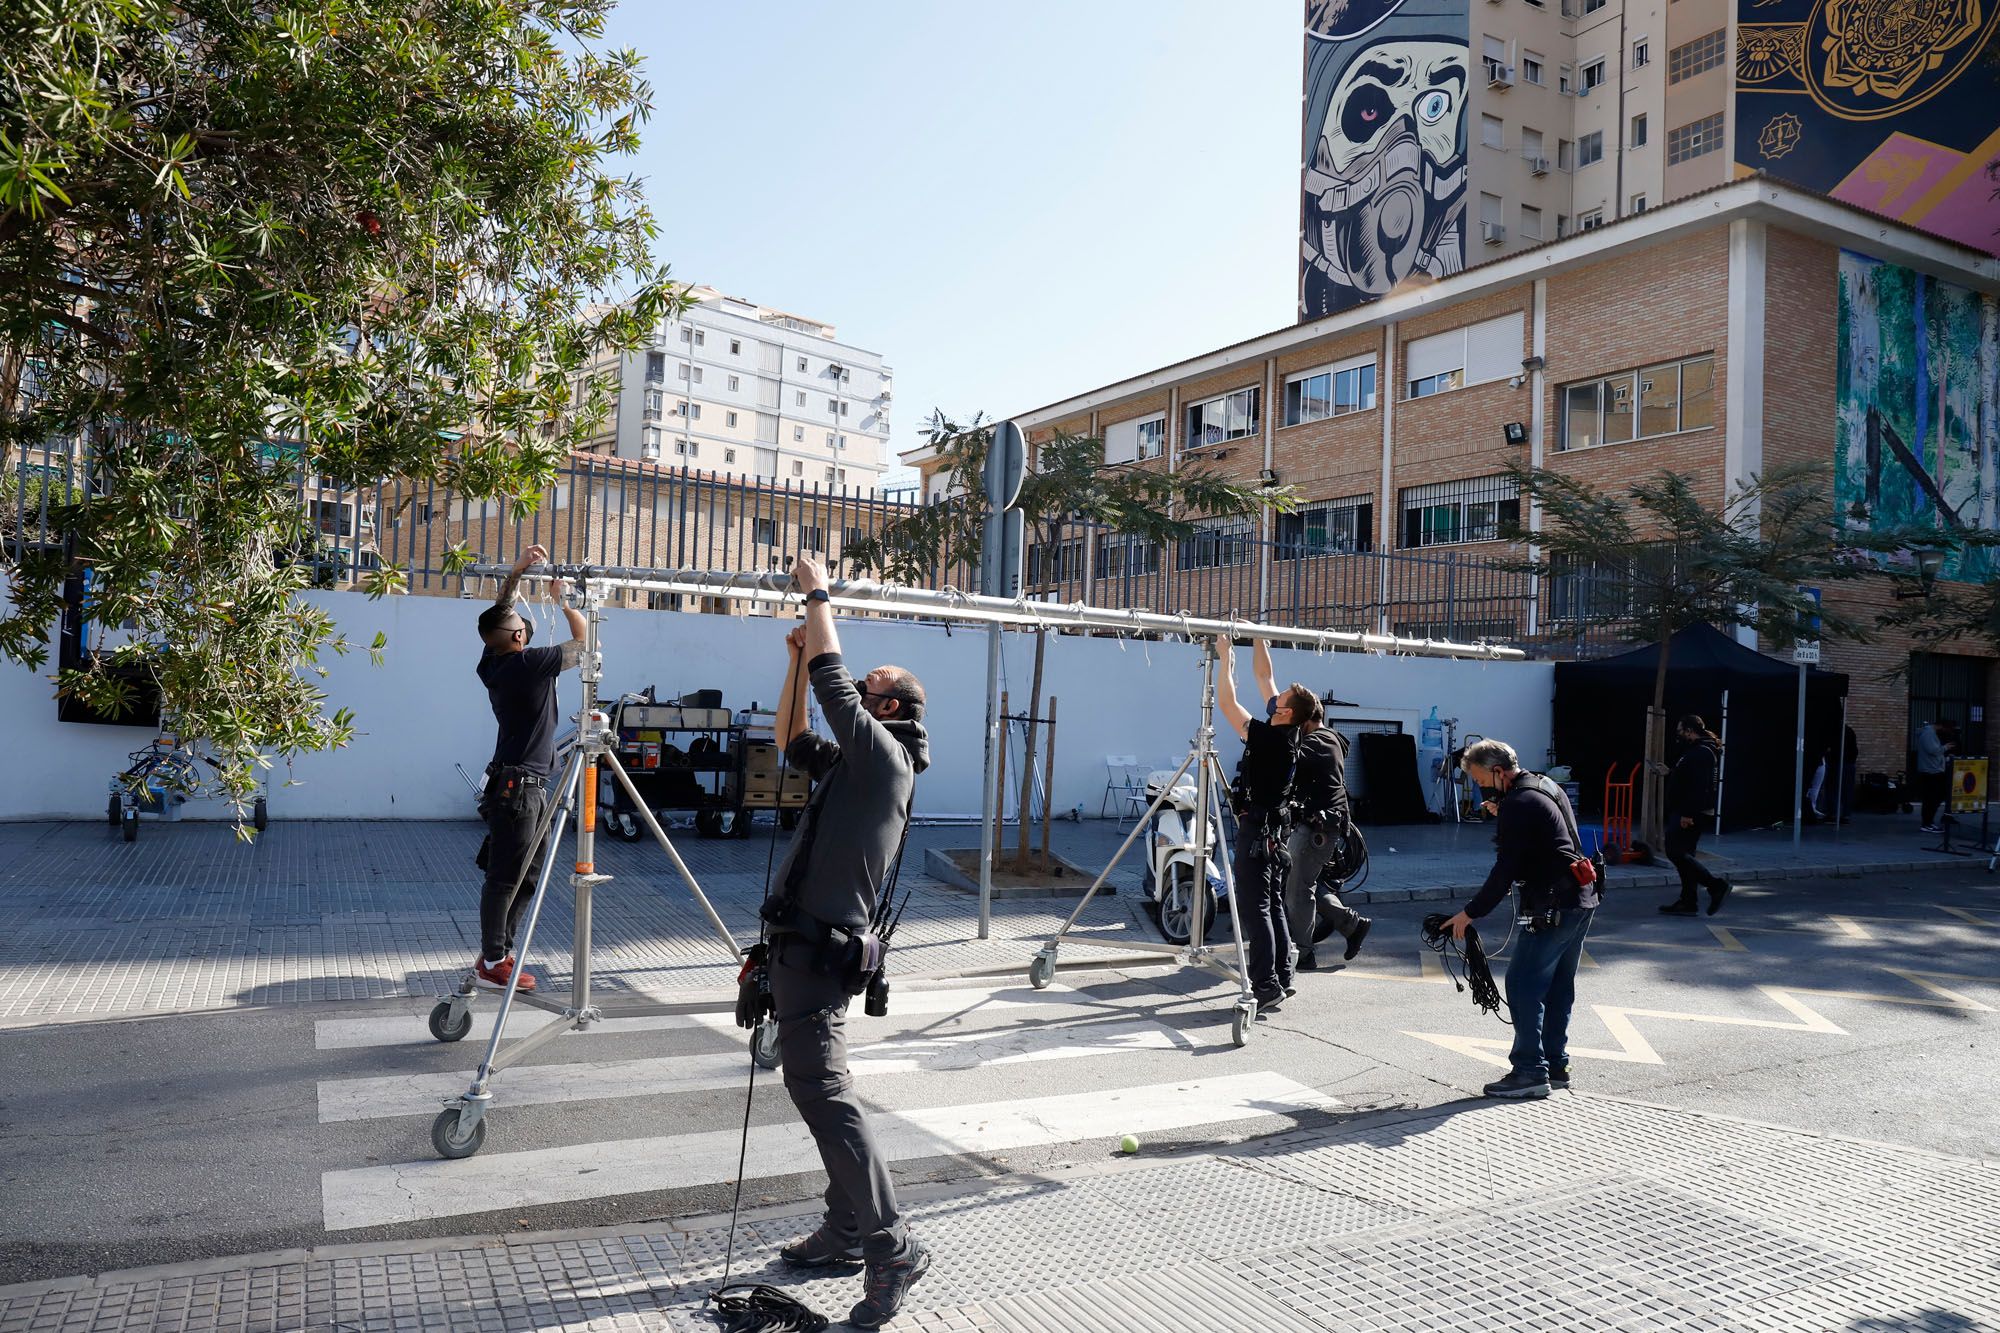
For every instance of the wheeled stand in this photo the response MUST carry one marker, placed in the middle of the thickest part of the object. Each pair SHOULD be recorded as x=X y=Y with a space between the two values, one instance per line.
x=460 y=1129
x=1209 y=784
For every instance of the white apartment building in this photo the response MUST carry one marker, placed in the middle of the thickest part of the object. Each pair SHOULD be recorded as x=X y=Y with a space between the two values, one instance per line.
x=1585 y=111
x=744 y=390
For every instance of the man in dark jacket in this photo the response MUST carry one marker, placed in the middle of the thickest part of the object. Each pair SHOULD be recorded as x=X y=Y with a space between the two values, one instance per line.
x=1535 y=852
x=1690 y=808
x=823 y=900
x=521 y=689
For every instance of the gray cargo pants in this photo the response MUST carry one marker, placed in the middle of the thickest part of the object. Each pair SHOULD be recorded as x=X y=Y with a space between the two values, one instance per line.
x=1306 y=899
x=812 y=1041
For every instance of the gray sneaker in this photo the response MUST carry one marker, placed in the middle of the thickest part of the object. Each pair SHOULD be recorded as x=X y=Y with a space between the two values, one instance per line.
x=887 y=1285
x=1518 y=1087
x=823 y=1249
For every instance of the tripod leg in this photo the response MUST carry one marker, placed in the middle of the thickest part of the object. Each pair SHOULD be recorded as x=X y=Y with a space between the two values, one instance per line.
x=1235 y=915
x=660 y=836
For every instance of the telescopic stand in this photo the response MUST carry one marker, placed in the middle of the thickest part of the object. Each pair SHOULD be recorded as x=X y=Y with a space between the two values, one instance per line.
x=460 y=1129
x=1209 y=783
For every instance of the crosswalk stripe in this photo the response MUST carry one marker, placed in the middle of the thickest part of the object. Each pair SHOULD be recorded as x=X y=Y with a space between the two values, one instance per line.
x=331 y=1034
x=422 y=1094
x=413 y=1191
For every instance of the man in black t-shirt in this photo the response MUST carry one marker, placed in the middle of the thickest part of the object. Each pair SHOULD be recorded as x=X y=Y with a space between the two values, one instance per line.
x=1262 y=799
x=521 y=687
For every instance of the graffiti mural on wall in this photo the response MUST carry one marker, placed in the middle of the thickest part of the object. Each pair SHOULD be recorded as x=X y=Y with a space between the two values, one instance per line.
x=1384 y=140
x=1893 y=105
x=1917 y=425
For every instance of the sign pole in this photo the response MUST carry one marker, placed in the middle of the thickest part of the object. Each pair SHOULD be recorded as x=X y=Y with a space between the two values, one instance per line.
x=1799 y=765
x=999 y=576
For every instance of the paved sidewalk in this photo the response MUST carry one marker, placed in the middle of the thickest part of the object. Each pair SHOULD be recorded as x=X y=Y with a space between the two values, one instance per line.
x=188 y=918
x=1579 y=1213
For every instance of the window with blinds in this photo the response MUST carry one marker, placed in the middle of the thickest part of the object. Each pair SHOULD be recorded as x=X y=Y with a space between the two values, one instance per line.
x=1130 y=441
x=1476 y=354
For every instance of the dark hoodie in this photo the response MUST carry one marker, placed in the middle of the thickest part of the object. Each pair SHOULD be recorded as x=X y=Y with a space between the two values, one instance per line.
x=1691 y=786
x=863 y=776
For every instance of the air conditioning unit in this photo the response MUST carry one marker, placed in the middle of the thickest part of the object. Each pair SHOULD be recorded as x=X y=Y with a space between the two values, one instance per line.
x=1492 y=232
x=1538 y=166
x=1499 y=75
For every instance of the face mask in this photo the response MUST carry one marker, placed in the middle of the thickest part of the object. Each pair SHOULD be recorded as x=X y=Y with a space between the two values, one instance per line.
x=1491 y=793
x=527 y=632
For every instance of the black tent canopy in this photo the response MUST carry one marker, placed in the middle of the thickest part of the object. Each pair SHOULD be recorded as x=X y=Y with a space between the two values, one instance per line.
x=1600 y=718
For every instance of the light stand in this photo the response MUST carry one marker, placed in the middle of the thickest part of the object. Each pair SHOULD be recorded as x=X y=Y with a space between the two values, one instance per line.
x=460 y=1129
x=1209 y=783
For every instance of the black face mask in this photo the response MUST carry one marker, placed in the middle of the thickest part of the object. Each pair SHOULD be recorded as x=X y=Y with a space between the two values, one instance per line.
x=1491 y=793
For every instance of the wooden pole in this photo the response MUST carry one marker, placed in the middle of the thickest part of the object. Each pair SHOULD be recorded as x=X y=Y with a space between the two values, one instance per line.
x=1048 y=783
x=1000 y=805
x=1028 y=751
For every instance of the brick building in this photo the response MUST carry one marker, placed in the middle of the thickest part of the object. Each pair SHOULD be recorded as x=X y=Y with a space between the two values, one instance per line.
x=1740 y=328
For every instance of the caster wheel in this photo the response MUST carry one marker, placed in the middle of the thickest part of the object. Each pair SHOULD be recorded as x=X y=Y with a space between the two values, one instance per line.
x=1042 y=971
x=626 y=827
x=443 y=1028
x=788 y=820
x=764 y=1046
x=260 y=815
x=450 y=1141
x=742 y=823
x=707 y=823
x=1239 y=1025
x=116 y=812
x=131 y=826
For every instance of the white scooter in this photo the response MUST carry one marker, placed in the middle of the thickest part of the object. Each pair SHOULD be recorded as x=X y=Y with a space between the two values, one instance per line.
x=1170 y=862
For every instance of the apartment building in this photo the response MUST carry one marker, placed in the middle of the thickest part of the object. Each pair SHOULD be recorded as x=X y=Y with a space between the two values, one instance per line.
x=744 y=390
x=1443 y=134
x=1718 y=334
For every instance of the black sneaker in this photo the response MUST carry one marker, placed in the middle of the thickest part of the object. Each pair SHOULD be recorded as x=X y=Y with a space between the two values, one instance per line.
x=1682 y=908
x=1269 y=1002
x=1354 y=940
x=887 y=1285
x=823 y=1249
x=1306 y=962
x=1717 y=894
x=1559 y=1076
x=1519 y=1087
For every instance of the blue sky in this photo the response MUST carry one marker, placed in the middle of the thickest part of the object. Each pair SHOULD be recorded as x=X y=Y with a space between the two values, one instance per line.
x=1010 y=201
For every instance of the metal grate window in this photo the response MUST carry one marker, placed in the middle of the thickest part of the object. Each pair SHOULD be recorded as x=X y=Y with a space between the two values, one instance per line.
x=1340 y=527
x=1695 y=138
x=1220 y=542
x=1453 y=512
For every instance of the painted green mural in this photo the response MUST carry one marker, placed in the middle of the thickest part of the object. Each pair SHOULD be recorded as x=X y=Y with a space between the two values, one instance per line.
x=1916 y=431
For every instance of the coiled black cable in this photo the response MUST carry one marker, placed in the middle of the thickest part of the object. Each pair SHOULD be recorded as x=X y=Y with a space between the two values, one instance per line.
x=760 y=1309
x=1473 y=972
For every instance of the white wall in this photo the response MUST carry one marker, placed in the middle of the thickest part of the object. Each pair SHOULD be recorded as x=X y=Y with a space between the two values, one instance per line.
x=423 y=709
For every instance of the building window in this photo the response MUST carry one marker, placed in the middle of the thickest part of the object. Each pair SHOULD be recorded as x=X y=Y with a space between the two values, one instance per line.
x=1232 y=416
x=1638 y=137
x=729 y=455
x=798 y=468
x=843 y=408
x=1531 y=145
x=1127 y=558
x=1562 y=225
x=1695 y=57
x=799 y=398
x=802 y=365
x=829 y=439
x=736 y=347
x=833 y=405
x=1218 y=543
x=829 y=474
x=1642 y=53
x=1590 y=221
x=1639 y=404
x=1694 y=139
x=1565 y=80
x=1531 y=66
x=1638 y=203
x=695 y=336
x=1453 y=512
x=656 y=404
x=1565 y=155
x=681 y=448
x=649 y=443
x=656 y=366
x=1590 y=148
x=798 y=434
x=764 y=531
x=1130 y=441
x=735 y=383
x=1593 y=74
x=1333 y=392
x=1531 y=222
x=1332 y=527
x=840 y=475
x=1476 y=354
x=840 y=442
x=1492 y=132
x=731 y=420
x=681 y=370
x=1592 y=6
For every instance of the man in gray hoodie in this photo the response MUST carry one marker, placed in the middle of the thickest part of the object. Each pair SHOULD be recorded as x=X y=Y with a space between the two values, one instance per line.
x=822 y=901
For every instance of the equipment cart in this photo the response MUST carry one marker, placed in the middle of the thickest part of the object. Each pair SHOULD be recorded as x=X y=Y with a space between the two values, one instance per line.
x=680 y=757
x=766 y=784
x=165 y=775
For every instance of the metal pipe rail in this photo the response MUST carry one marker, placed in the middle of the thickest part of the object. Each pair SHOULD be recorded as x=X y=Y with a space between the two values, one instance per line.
x=950 y=604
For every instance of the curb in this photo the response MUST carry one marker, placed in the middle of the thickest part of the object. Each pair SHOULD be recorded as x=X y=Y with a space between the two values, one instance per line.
x=1651 y=877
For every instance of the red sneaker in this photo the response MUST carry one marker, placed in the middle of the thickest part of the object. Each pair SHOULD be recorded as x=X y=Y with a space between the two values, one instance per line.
x=494 y=976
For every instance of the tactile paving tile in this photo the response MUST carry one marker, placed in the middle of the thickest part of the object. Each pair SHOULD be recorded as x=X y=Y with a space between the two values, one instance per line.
x=1221 y=1206
x=1175 y=1300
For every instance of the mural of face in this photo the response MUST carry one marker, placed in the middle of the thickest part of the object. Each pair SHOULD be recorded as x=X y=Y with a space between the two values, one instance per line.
x=1385 y=192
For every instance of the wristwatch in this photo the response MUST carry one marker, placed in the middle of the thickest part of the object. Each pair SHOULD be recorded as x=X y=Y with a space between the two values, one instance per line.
x=819 y=595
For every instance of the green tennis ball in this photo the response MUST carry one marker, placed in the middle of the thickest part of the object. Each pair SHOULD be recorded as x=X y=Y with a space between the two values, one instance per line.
x=1130 y=1143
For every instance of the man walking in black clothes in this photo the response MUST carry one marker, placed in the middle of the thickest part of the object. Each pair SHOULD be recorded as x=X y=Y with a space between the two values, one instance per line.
x=821 y=907
x=1690 y=808
x=521 y=687
x=1537 y=848
x=1262 y=800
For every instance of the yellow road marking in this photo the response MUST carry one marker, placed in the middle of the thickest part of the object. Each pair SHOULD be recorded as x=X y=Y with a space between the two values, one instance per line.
x=1847 y=925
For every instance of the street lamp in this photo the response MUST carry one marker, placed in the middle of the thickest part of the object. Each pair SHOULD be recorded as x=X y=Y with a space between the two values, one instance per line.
x=1929 y=560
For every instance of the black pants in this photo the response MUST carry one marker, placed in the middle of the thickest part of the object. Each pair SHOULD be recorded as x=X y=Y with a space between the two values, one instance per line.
x=510 y=830
x=1681 y=843
x=1309 y=898
x=1260 y=908
x=1933 y=788
x=812 y=1041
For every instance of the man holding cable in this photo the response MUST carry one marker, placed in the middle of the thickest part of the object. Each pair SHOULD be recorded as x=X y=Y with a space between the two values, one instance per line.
x=521 y=689
x=821 y=950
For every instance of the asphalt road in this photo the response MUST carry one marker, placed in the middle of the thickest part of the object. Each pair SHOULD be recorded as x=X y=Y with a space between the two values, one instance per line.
x=1854 y=1007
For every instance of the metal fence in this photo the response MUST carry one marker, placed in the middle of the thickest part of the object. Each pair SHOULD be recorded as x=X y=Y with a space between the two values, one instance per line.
x=614 y=511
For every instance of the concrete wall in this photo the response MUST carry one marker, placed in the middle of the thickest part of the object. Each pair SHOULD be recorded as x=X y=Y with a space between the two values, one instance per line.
x=423 y=709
